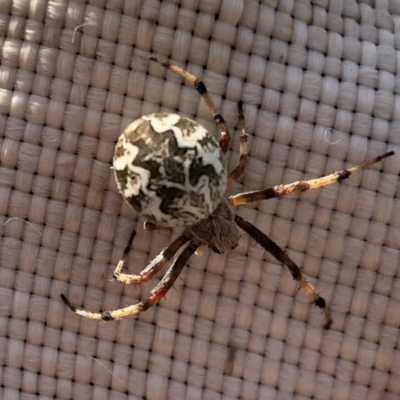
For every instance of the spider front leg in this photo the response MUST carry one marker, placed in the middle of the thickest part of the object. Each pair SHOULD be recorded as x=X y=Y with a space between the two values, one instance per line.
x=149 y=226
x=282 y=256
x=156 y=294
x=199 y=85
x=302 y=186
x=153 y=268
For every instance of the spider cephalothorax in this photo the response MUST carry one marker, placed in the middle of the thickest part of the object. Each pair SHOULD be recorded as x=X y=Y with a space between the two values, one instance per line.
x=219 y=230
x=172 y=171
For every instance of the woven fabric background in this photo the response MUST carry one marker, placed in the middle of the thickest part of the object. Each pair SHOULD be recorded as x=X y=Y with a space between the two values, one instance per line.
x=321 y=88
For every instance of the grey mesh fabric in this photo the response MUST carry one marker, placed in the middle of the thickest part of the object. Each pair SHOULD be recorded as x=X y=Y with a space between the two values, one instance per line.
x=321 y=91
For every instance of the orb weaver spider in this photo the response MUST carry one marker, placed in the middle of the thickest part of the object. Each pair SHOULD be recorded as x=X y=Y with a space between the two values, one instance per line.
x=173 y=172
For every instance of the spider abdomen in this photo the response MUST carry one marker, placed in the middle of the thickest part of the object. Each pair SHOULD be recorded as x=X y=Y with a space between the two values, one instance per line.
x=170 y=169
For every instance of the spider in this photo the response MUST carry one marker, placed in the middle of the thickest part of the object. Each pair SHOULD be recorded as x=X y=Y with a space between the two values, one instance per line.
x=173 y=172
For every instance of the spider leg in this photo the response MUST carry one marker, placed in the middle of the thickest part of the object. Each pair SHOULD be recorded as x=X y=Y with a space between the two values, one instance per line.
x=155 y=295
x=153 y=268
x=302 y=186
x=238 y=171
x=282 y=256
x=150 y=226
x=199 y=85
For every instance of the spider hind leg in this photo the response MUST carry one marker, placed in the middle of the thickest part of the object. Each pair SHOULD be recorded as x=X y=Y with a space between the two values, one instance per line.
x=272 y=248
x=225 y=137
x=237 y=172
x=199 y=85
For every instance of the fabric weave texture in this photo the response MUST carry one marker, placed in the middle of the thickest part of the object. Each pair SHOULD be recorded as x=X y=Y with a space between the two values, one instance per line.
x=320 y=83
